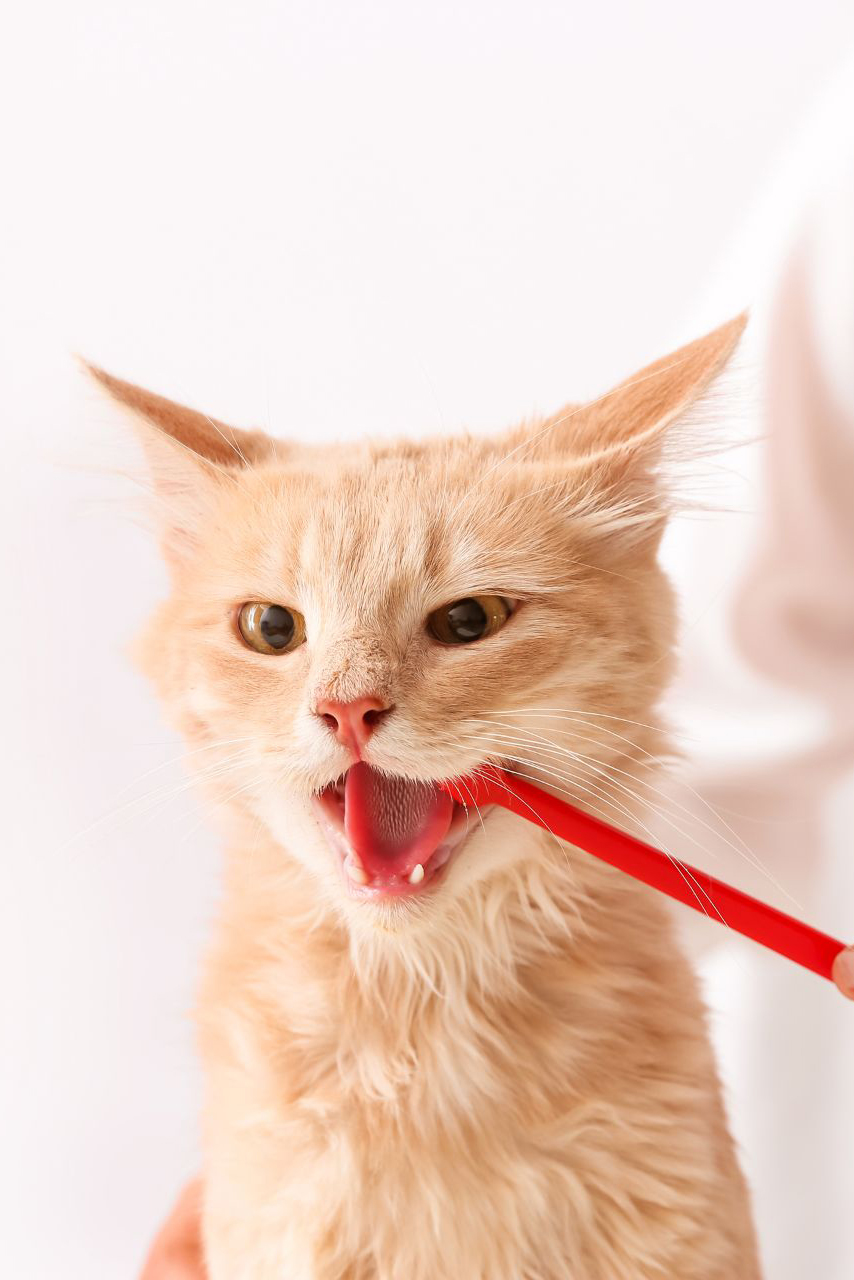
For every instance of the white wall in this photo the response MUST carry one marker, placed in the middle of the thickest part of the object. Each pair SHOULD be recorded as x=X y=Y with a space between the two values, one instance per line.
x=326 y=219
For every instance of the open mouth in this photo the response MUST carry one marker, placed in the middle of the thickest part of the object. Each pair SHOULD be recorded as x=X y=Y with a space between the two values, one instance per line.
x=395 y=837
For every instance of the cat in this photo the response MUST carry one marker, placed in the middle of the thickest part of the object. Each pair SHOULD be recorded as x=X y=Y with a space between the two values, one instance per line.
x=438 y=1042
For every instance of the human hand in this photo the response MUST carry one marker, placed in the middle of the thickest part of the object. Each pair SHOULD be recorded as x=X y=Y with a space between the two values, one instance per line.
x=843 y=972
x=176 y=1253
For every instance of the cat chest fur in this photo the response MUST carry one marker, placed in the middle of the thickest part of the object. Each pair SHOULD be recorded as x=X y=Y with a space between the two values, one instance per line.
x=374 y=1124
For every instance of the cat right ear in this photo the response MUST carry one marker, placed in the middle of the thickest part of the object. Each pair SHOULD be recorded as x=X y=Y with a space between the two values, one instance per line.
x=191 y=457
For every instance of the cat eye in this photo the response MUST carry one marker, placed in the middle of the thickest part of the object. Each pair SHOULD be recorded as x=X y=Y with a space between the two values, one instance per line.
x=271 y=628
x=464 y=621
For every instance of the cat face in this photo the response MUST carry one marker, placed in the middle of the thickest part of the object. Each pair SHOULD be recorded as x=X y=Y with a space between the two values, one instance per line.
x=350 y=625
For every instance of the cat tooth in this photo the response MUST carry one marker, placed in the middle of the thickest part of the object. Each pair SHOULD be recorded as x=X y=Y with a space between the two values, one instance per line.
x=416 y=875
x=356 y=874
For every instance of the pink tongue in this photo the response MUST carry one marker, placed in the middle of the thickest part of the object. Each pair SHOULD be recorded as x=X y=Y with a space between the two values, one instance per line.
x=391 y=823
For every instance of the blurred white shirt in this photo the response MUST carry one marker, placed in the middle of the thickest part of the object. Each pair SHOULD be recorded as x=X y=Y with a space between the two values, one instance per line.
x=765 y=699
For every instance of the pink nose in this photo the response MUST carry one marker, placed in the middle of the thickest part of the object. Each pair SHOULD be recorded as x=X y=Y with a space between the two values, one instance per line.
x=352 y=722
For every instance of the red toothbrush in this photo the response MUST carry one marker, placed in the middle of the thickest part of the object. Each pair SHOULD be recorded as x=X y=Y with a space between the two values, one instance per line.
x=765 y=924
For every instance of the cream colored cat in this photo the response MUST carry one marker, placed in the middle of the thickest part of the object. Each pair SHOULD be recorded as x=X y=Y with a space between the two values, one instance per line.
x=438 y=1044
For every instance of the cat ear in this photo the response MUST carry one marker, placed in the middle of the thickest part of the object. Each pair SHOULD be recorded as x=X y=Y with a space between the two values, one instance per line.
x=632 y=419
x=202 y=438
x=191 y=457
x=617 y=445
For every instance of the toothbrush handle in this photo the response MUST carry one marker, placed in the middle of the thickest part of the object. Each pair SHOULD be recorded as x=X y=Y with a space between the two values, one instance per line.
x=705 y=893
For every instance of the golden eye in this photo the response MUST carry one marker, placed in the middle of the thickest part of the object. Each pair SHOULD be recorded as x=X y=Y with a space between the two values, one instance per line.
x=271 y=628
x=473 y=618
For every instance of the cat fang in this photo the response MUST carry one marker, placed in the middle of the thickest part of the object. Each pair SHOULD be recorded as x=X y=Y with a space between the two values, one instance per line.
x=373 y=866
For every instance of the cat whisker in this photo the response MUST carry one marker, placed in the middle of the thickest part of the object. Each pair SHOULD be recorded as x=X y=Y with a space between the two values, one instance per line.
x=582 y=718
x=166 y=792
x=213 y=775
x=583 y=712
x=593 y=767
x=220 y=804
x=633 y=818
x=742 y=849
x=479 y=772
x=179 y=759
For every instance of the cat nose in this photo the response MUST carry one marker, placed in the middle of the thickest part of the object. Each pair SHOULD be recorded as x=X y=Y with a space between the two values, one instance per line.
x=352 y=722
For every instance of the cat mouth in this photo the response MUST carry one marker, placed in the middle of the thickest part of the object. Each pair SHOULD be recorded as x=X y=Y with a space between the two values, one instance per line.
x=395 y=836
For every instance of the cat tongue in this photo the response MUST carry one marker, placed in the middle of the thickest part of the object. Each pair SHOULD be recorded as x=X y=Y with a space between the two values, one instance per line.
x=391 y=823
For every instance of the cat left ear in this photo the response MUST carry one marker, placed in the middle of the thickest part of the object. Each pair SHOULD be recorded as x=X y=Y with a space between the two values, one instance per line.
x=612 y=451
x=190 y=456
x=631 y=420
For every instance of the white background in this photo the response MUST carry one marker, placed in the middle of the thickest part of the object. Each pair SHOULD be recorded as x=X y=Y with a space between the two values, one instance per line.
x=325 y=219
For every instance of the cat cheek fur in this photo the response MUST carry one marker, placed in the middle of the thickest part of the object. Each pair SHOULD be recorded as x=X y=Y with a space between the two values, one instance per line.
x=512 y=1079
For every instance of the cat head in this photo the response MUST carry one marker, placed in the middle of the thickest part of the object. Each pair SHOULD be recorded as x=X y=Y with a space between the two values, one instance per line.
x=349 y=624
